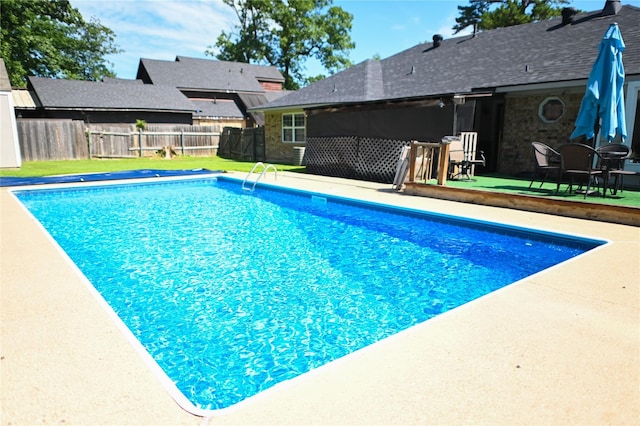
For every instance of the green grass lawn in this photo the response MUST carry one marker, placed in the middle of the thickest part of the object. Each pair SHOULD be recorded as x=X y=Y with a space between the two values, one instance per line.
x=51 y=168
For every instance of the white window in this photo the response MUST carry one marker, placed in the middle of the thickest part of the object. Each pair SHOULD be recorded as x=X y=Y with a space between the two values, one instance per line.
x=293 y=128
x=551 y=110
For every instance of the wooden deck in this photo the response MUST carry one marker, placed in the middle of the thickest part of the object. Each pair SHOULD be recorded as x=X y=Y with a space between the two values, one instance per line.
x=601 y=212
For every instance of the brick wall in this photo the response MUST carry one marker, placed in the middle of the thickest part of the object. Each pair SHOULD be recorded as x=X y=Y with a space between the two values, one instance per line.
x=276 y=151
x=271 y=86
x=523 y=126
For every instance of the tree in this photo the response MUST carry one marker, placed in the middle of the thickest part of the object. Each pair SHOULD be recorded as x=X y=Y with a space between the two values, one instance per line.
x=247 y=44
x=51 y=39
x=285 y=33
x=483 y=16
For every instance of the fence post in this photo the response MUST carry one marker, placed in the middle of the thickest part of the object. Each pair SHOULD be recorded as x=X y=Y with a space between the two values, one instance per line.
x=89 y=142
x=182 y=141
x=140 y=141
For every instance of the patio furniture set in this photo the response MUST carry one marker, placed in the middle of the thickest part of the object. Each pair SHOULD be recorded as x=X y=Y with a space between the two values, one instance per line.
x=574 y=163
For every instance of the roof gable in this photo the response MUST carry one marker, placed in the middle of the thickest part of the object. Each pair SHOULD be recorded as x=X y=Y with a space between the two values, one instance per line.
x=259 y=72
x=540 y=52
x=78 y=94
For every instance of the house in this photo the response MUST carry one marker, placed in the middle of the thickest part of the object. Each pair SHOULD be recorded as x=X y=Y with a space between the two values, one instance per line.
x=512 y=85
x=220 y=90
x=106 y=102
x=184 y=91
x=171 y=95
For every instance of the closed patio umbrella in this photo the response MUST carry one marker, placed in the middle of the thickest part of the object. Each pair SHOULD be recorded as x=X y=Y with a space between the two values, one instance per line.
x=602 y=106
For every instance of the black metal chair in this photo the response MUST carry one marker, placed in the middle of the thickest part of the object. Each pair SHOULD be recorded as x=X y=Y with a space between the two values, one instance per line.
x=611 y=161
x=547 y=162
x=576 y=163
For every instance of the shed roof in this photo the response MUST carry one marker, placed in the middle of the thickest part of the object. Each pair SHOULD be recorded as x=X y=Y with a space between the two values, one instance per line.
x=5 y=84
x=205 y=74
x=528 y=54
x=78 y=94
x=23 y=99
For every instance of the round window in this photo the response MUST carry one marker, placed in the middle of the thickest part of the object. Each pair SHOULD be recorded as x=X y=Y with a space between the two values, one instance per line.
x=551 y=109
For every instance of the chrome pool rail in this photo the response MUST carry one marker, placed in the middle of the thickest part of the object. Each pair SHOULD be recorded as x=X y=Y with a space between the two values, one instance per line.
x=265 y=167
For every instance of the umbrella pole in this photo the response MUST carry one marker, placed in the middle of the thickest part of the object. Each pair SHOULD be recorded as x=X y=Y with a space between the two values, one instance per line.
x=596 y=128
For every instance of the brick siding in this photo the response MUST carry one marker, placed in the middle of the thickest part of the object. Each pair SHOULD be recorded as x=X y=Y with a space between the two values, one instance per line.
x=270 y=86
x=523 y=126
x=276 y=151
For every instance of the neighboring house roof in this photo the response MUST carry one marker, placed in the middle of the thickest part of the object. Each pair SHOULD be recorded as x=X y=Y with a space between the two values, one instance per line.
x=272 y=96
x=220 y=108
x=252 y=100
x=78 y=94
x=116 y=80
x=529 y=54
x=204 y=74
x=225 y=108
x=259 y=72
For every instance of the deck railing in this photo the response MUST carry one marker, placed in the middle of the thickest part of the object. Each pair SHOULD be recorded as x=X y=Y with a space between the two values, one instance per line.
x=428 y=154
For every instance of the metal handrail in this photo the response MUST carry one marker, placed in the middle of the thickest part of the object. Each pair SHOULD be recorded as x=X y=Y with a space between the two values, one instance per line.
x=265 y=168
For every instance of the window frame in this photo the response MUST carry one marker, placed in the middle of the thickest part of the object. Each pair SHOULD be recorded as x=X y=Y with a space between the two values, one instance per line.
x=544 y=103
x=293 y=127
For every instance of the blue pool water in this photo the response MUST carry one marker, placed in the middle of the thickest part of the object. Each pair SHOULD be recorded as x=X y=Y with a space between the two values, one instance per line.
x=231 y=293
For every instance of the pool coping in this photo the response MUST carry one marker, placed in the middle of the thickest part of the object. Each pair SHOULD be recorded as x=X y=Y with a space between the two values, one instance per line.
x=386 y=383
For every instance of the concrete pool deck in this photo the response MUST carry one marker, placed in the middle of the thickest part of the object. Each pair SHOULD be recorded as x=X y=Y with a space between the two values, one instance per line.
x=560 y=347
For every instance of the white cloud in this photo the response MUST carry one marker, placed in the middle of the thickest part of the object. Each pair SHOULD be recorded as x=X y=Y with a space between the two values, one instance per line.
x=160 y=29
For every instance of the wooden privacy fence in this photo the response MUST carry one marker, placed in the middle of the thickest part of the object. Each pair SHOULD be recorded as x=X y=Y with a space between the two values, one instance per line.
x=195 y=140
x=242 y=144
x=42 y=140
x=56 y=139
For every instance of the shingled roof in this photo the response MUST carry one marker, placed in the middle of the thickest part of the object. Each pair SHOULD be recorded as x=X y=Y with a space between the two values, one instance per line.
x=523 y=55
x=204 y=74
x=220 y=108
x=78 y=94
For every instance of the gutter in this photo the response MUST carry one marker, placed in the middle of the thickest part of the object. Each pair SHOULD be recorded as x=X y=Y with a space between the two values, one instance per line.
x=415 y=99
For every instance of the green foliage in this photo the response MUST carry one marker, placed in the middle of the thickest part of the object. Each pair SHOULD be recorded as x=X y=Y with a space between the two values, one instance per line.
x=491 y=14
x=285 y=33
x=51 y=39
x=140 y=124
x=246 y=44
x=314 y=78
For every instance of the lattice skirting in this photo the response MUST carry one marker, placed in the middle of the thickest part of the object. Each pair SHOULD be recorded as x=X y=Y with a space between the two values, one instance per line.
x=354 y=157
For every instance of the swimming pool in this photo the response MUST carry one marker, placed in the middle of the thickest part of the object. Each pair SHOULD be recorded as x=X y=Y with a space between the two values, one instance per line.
x=232 y=293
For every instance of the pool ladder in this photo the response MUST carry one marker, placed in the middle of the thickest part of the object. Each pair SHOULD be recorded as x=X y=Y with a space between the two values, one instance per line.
x=250 y=186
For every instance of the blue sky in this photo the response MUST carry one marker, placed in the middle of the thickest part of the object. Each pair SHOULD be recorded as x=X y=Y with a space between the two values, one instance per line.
x=164 y=29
